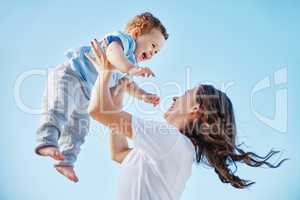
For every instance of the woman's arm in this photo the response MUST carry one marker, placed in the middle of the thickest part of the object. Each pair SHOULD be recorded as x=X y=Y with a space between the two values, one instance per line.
x=101 y=106
x=118 y=142
x=102 y=109
x=118 y=147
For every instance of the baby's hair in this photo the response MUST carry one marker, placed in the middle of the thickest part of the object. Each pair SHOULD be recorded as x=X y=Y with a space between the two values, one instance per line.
x=146 y=22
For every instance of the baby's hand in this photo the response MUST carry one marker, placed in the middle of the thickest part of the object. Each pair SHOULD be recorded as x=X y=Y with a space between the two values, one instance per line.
x=151 y=98
x=141 y=71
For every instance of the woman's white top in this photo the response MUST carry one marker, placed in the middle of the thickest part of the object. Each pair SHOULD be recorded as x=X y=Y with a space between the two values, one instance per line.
x=159 y=165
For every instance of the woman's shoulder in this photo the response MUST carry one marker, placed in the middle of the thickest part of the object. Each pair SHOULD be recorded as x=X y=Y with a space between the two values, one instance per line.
x=166 y=134
x=189 y=146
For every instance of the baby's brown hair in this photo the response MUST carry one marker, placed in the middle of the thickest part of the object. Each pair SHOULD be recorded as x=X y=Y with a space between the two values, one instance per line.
x=146 y=22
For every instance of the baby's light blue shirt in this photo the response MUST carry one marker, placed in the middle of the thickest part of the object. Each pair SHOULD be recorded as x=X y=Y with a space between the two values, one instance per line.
x=87 y=71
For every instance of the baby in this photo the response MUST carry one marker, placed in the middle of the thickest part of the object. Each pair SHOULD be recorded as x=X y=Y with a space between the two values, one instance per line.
x=65 y=120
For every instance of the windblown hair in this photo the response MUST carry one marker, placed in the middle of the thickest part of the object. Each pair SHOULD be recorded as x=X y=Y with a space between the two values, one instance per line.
x=146 y=22
x=214 y=137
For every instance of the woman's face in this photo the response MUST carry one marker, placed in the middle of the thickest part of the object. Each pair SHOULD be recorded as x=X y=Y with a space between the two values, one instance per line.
x=183 y=109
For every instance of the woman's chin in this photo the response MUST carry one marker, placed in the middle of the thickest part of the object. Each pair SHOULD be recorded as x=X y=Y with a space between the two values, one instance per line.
x=168 y=115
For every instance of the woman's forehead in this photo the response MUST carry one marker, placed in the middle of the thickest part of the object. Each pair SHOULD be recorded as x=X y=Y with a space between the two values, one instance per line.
x=193 y=90
x=192 y=93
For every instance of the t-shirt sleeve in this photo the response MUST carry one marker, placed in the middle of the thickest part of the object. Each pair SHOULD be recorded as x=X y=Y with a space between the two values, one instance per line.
x=154 y=138
x=113 y=38
x=122 y=39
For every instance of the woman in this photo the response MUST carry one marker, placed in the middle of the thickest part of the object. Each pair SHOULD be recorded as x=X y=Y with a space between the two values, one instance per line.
x=200 y=126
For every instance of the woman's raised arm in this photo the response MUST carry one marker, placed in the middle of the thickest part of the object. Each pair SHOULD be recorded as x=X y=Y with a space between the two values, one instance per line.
x=101 y=106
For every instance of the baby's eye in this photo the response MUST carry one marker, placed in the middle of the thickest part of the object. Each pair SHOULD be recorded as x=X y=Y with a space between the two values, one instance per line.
x=155 y=52
x=153 y=45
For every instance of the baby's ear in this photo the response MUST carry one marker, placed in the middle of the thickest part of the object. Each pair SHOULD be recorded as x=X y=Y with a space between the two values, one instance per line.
x=136 y=32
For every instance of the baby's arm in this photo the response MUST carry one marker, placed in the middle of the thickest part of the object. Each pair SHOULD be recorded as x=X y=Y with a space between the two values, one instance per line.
x=116 y=57
x=134 y=90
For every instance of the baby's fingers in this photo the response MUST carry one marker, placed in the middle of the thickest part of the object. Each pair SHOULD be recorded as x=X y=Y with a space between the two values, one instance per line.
x=141 y=72
x=146 y=72
x=156 y=100
x=150 y=72
x=155 y=103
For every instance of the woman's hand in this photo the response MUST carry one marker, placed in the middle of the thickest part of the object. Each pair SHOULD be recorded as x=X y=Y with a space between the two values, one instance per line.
x=99 y=61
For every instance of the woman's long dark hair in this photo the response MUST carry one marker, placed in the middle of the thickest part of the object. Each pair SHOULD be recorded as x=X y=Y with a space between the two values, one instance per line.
x=214 y=137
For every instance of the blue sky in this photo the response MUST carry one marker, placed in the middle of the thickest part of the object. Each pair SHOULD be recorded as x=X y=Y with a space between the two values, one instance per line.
x=238 y=43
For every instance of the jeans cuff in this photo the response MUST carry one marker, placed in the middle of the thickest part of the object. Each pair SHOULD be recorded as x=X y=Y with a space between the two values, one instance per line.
x=40 y=146
x=64 y=163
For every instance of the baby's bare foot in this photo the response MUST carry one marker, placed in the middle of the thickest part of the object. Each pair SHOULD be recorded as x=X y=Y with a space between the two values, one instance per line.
x=67 y=171
x=52 y=152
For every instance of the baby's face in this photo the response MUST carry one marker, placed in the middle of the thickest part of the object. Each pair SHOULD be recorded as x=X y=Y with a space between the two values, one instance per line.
x=148 y=44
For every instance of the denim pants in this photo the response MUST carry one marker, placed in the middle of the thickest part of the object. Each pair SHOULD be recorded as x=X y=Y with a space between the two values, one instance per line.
x=64 y=122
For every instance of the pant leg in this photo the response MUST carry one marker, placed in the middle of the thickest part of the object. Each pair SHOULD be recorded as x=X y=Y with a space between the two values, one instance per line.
x=76 y=128
x=72 y=138
x=56 y=107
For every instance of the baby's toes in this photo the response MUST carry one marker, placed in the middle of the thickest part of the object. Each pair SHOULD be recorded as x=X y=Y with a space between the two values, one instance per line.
x=68 y=172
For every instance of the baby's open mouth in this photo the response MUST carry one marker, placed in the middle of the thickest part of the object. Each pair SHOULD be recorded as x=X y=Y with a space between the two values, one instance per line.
x=144 y=56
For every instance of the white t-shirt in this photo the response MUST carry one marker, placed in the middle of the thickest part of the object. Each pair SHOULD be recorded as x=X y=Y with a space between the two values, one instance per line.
x=159 y=165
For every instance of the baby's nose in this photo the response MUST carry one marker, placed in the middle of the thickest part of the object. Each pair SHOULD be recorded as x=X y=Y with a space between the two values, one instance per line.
x=150 y=53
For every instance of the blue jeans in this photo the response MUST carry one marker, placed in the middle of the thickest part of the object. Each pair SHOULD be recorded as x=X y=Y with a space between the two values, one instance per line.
x=64 y=122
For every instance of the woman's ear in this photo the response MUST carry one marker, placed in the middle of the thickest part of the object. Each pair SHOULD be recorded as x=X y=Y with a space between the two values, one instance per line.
x=196 y=110
x=136 y=32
